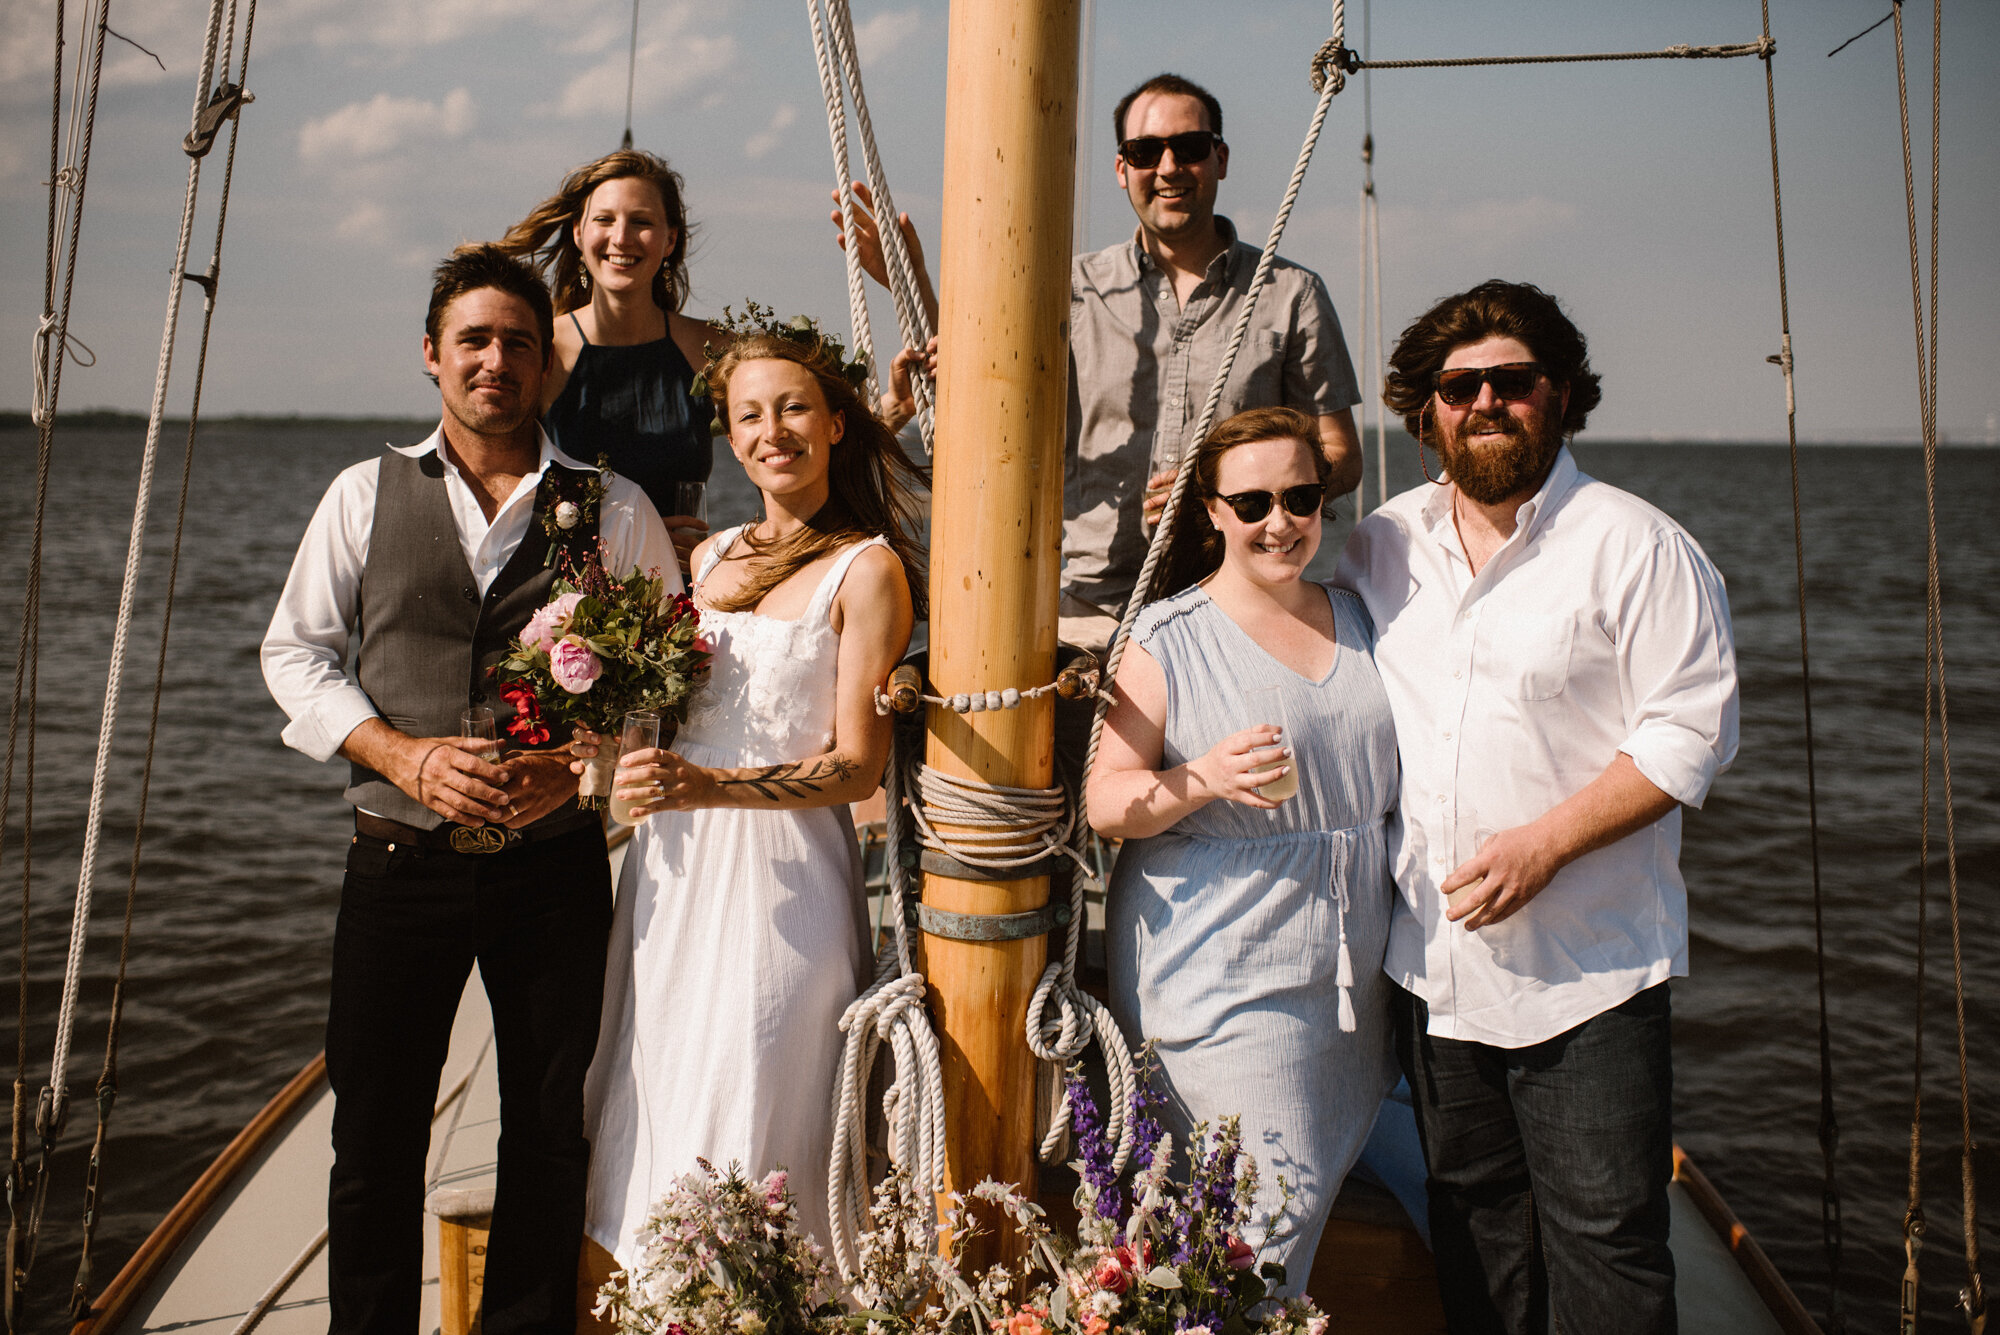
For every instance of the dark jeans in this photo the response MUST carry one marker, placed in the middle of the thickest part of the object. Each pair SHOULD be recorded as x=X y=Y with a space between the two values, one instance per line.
x=1548 y=1172
x=411 y=924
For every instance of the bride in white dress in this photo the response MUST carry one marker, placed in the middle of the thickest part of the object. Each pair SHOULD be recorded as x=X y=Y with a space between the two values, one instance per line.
x=739 y=936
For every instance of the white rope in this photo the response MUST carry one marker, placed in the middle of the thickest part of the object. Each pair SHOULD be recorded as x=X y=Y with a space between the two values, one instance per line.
x=128 y=593
x=891 y=1011
x=834 y=52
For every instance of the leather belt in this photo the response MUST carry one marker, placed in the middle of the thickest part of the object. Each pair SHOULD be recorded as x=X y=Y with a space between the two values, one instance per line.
x=450 y=838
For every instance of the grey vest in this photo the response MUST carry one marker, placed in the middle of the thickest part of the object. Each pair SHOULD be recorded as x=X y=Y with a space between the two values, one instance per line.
x=425 y=640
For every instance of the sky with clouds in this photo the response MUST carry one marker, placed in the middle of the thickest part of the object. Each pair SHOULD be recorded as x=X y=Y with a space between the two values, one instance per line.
x=386 y=131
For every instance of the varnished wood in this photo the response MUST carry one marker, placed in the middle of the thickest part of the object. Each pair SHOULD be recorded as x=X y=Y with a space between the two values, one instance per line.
x=461 y=1272
x=1784 y=1305
x=125 y=1288
x=594 y=1268
x=1010 y=135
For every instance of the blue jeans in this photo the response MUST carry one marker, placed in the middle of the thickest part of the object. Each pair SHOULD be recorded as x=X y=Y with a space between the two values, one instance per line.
x=1548 y=1172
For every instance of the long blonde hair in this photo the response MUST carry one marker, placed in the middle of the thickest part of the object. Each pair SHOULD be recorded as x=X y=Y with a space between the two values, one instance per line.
x=872 y=484
x=546 y=237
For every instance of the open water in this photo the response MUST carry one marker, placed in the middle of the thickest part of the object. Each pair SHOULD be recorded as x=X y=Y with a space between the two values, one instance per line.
x=244 y=839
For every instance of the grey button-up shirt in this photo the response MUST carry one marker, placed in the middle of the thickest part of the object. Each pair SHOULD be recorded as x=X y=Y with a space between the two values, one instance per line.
x=1140 y=369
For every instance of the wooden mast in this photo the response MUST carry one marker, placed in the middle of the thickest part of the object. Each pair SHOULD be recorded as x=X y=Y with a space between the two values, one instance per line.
x=996 y=530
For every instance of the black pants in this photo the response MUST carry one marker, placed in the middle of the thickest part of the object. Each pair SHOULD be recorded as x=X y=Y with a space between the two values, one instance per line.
x=1548 y=1172
x=411 y=924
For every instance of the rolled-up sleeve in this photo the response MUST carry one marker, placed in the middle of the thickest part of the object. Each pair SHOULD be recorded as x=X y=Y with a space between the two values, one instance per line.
x=1319 y=374
x=305 y=649
x=1678 y=656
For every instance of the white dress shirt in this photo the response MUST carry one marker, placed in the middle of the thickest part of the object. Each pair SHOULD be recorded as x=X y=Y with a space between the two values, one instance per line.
x=1599 y=627
x=306 y=648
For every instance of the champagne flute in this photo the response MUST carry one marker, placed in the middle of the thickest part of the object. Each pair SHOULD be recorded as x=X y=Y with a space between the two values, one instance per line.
x=690 y=499
x=639 y=732
x=477 y=721
x=1267 y=705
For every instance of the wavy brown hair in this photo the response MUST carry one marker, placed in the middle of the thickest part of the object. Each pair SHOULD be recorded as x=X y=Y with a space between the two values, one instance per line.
x=873 y=487
x=1196 y=552
x=546 y=237
x=1494 y=309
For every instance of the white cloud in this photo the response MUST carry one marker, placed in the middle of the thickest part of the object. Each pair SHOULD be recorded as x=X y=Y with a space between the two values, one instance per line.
x=879 y=35
x=399 y=25
x=368 y=222
x=680 y=51
x=767 y=139
x=383 y=125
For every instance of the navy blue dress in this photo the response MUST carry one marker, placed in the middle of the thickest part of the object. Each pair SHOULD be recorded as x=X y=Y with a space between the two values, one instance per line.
x=632 y=406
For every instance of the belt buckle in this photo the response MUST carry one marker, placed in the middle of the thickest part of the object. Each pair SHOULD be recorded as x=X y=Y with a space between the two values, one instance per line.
x=480 y=838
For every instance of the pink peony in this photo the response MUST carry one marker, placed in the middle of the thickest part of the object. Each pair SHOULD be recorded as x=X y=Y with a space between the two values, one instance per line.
x=573 y=665
x=1241 y=1254
x=550 y=623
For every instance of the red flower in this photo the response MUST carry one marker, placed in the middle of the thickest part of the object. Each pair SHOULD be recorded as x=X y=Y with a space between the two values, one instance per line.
x=526 y=725
x=1111 y=1276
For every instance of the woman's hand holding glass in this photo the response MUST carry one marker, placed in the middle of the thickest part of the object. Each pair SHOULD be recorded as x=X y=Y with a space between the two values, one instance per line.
x=1235 y=768
x=652 y=780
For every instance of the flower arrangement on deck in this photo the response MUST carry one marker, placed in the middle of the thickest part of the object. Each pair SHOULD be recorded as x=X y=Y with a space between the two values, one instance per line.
x=1152 y=1256
x=601 y=648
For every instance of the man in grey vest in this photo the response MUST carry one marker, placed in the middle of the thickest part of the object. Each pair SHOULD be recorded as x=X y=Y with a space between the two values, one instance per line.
x=417 y=570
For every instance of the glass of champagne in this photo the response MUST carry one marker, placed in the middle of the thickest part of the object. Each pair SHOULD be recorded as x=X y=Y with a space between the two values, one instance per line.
x=639 y=732
x=1267 y=706
x=690 y=499
x=477 y=721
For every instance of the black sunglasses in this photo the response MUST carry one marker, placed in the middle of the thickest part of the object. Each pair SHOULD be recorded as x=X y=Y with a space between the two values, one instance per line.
x=1252 y=506
x=1511 y=382
x=1189 y=147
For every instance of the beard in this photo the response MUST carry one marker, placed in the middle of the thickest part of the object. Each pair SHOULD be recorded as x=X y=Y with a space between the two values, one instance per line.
x=1492 y=473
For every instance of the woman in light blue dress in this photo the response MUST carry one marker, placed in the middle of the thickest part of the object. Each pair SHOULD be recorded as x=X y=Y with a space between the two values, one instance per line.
x=1245 y=928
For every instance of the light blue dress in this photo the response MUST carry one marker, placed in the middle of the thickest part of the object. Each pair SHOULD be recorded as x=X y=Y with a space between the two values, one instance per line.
x=1225 y=935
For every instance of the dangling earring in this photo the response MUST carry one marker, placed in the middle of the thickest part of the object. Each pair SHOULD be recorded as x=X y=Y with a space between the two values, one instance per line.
x=1422 y=462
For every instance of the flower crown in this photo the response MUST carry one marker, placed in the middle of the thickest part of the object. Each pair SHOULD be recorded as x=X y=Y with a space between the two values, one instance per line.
x=803 y=330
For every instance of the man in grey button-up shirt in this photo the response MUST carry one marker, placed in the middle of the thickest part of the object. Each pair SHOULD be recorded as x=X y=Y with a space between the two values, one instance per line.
x=1149 y=320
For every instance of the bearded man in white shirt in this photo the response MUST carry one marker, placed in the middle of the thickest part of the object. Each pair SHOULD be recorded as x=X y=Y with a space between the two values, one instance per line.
x=425 y=563
x=1560 y=666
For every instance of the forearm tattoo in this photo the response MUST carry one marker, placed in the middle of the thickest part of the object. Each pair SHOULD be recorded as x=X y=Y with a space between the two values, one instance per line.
x=794 y=778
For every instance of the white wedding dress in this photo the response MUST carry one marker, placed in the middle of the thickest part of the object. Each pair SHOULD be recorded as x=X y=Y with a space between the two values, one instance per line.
x=739 y=939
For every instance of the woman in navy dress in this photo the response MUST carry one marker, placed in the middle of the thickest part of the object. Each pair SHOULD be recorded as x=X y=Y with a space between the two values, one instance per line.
x=613 y=242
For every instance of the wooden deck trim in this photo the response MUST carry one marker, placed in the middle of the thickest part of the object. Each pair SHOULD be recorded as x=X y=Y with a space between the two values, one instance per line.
x=116 y=1299
x=1784 y=1305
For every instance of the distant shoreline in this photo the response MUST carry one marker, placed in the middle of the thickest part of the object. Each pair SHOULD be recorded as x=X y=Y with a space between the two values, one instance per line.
x=417 y=428
x=108 y=419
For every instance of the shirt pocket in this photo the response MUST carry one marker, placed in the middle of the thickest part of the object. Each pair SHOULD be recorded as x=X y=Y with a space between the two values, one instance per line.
x=1259 y=370
x=1530 y=653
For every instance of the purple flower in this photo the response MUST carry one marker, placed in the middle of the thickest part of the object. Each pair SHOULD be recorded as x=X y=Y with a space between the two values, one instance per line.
x=1095 y=1152
x=573 y=665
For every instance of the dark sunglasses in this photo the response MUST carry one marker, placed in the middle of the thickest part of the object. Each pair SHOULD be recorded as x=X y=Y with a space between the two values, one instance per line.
x=1511 y=382
x=1189 y=147
x=1252 y=506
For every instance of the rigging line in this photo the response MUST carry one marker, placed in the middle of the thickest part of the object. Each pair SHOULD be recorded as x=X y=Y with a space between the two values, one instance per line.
x=631 y=77
x=1865 y=31
x=57 y=1093
x=1831 y=1230
x=144 y=51
x=107 y=1082
x=1761 y=47
x=1972 y=1298
x=27 y=1190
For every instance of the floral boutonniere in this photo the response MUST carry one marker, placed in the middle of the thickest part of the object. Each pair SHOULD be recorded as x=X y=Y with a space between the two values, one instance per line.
x=570 y=501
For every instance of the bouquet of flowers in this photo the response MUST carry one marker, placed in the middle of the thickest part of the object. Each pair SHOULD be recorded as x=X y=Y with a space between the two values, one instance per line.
x=600 y=649
x=1152 y=1257
x=721 y=1255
